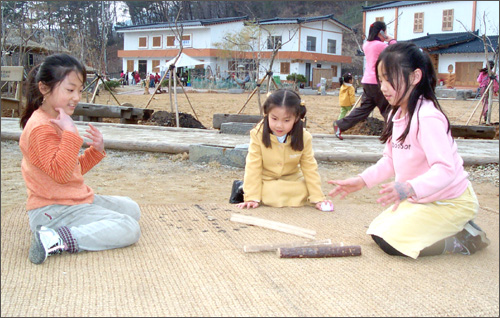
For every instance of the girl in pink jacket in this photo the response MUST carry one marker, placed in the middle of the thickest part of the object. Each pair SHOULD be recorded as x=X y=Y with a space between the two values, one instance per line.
x=431 y=202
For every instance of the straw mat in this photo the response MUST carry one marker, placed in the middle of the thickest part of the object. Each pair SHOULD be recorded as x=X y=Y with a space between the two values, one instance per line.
x=189 y=262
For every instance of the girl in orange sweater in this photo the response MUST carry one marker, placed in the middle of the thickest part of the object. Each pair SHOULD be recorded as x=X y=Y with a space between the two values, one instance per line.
x=64 y=213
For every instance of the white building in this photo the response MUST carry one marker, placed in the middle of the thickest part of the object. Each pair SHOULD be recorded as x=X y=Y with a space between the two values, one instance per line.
x=311 y=46
x=443 y=28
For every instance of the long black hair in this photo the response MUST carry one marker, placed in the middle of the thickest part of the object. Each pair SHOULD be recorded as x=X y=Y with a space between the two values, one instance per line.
x=485 y=69
x=375 y=29
x=398 y=62
x=293 y=104
x=346 y=78
x=51 y=72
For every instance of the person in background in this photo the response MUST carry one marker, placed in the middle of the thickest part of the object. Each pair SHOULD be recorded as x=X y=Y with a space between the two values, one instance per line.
x=65 y=215
x=372 y=96
x=280 y=166
x=484 y=80
x=431 y=202
x=346 y=98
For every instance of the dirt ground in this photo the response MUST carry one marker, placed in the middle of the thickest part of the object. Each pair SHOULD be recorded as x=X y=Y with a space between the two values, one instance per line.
x=156 y=178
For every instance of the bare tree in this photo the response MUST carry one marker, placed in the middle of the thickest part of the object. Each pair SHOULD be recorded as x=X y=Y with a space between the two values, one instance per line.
x=488 y=47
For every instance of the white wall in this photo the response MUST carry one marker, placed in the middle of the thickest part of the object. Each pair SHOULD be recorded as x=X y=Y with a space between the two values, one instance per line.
x=490 y=10
x=447 y=59
x=433 y=18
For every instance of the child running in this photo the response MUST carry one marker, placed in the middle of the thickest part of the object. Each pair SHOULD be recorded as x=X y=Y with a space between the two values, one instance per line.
x=280 y=166
x=64 y=213
x=433 y=202
x=346 y=97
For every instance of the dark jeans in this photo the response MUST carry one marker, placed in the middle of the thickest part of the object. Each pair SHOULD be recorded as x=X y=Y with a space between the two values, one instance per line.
x=435 y=249
x=372 y=97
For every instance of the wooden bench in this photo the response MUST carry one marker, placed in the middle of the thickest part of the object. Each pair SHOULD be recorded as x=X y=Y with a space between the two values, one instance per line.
x=95 y=112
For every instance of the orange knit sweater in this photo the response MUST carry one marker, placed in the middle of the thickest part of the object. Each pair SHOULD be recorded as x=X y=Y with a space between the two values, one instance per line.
x=52 y=168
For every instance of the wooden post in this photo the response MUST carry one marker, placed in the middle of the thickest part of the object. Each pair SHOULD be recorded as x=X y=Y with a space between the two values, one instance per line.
x=319 y=251
x=274 y=247
x=273 y=225
x=175 y=99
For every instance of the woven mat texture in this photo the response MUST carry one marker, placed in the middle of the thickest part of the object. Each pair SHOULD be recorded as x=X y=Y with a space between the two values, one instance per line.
x=189 y=262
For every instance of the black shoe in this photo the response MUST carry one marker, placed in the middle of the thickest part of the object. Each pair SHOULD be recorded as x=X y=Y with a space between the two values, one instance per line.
x=472 y=238
x=337 y=132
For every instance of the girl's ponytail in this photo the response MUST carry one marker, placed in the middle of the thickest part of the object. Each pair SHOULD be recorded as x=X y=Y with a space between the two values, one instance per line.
x=34 y=97
x=341 y=80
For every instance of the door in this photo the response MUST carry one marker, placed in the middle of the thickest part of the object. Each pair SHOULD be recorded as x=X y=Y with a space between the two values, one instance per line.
x=318 y=73
x=143 y=68
x=308 y=74
x=466 y=73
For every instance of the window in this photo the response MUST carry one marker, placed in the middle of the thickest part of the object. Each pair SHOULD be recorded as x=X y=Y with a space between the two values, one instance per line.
x=448 y=20
x=31 y=60
x=157 y=41
x=186 y=41
x=273 y=41
x=311 y=43
x=130 y=65
x=418 y=22
x=143 y=41
x=154 y=64
x=332 y=46
x=170 y=40
x=379 y=19
x=334 y=70
x=285 y=68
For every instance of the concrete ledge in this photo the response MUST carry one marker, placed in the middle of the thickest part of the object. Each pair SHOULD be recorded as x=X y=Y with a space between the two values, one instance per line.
x=308 y=92
x=229 y=156
x=236 y=91
x=236 y=128
x=218 y=119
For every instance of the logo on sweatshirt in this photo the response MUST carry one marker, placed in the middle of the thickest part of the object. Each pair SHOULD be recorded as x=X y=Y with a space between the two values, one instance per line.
x=400 y=146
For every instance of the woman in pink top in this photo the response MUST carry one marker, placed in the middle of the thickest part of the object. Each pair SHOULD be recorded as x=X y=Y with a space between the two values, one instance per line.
x=432 y=203
x=64 y=213
x=372 y=97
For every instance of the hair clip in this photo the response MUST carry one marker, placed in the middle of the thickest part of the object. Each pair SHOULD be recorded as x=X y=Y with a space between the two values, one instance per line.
x=302 y=103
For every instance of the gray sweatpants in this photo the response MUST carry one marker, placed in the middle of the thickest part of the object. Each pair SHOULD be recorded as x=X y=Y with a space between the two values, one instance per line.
x=109 y=222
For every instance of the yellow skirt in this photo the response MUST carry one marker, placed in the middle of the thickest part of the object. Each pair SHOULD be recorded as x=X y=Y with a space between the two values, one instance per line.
x=284 y=192
x=415 y=226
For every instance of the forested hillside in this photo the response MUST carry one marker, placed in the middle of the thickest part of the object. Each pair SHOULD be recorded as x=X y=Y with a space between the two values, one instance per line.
x=86 y=28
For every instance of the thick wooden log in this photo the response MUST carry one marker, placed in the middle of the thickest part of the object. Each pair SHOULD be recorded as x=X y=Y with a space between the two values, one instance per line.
x=274 y=247
x=319 y=251
x=273 y=225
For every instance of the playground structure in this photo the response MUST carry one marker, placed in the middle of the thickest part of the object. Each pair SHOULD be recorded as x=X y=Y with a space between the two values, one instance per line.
x=13 y=78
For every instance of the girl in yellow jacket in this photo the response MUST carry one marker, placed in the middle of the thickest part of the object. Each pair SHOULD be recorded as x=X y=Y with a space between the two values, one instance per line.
x=280 y=166
x=346 y=98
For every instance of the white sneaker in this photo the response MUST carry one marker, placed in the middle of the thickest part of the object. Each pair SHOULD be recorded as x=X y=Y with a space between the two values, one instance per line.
x=45 y=242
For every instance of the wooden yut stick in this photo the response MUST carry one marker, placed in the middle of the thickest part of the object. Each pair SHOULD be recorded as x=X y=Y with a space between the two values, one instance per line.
x=274 y=247
x=273 y=225
x=319 y=251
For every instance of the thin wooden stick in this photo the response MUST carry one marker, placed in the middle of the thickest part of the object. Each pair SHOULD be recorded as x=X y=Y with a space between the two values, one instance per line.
x=273 y=225
x=274 y=247
x=319 y=251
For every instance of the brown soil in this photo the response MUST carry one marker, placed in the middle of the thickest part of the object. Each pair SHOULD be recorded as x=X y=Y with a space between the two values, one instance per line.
x=151 y=178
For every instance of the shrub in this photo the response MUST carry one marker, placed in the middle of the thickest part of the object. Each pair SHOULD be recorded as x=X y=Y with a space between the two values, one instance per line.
x=296 y=78
x=111 y=85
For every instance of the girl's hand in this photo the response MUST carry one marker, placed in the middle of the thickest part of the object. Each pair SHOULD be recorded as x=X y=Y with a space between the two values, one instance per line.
x=96 y=138
x=395 y=193
x=64 y=121
x=344 y=187
x=325 y=206
x=248 y=204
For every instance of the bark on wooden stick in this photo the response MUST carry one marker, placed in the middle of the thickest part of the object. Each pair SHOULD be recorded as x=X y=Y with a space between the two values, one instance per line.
x=273 y=225
x=274 y=247
x=319 y=251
